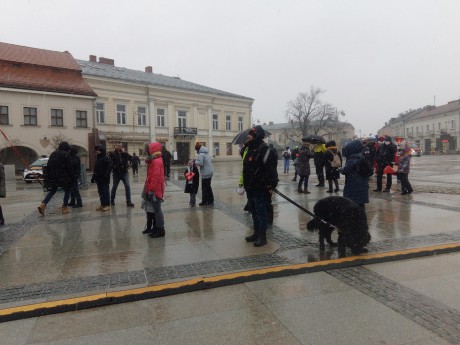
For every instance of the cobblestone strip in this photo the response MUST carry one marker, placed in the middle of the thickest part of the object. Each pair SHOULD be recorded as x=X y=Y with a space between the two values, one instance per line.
x=127 y=279
x=437 y=317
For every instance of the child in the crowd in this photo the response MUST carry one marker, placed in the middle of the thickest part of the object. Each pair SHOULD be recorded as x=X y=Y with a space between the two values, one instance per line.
x=192 y=181
x=147 y=205
x=332 y=162
x=403 y=172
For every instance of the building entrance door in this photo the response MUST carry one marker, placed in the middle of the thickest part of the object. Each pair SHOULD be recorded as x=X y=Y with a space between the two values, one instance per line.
x=183 y=152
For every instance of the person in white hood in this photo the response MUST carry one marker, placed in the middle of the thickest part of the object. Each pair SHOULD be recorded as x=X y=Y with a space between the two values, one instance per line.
x=206 y=171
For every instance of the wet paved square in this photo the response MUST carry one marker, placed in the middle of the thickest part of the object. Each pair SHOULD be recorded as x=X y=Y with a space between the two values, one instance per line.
x=66 y=254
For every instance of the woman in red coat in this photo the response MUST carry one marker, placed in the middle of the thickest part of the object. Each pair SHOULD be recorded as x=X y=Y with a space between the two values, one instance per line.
x=155 y=187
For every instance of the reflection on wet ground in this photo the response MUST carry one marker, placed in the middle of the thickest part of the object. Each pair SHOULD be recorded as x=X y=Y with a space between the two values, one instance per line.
x=42 y=257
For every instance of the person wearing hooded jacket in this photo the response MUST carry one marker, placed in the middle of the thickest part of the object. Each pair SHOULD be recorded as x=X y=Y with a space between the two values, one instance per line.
x=75 y=197
x=155 y=187
x=206 y=171
x=101 y=176
x=303 y=168
x=356 y=186
x=385 y=155
x=259 y=176
x=332 y=173
x=59 y=172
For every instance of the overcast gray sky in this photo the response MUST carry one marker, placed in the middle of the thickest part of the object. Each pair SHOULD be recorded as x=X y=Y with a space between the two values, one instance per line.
x=373 y=58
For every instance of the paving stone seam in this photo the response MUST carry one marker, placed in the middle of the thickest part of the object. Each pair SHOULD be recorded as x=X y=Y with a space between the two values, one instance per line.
x=432 y=315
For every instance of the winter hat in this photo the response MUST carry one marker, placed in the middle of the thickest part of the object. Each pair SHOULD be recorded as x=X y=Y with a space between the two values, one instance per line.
x=330 y=143
x=387 y=138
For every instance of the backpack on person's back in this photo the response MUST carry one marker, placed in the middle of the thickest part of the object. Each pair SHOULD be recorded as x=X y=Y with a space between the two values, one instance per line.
x=336 y=161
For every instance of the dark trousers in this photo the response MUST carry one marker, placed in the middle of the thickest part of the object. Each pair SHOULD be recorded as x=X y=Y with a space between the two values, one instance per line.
x=406 y=187
x=303 y=180
x=319 y=167
x=380 y=178
x=135 y=170
x=116 y=180
x=257 y=203
x=75 y=197
x=208 y=196
x=151 y=221
x=104 y=195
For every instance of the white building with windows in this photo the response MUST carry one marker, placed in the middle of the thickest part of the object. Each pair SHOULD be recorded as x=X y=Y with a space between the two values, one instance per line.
x=43 y=100
x=435 y=129
x=136 y=107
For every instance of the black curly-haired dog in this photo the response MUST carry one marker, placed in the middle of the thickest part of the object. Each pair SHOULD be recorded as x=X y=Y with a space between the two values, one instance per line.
x=349 y=219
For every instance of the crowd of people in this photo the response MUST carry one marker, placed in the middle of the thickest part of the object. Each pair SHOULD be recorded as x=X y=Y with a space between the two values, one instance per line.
x=379 y=157
x=357 y=162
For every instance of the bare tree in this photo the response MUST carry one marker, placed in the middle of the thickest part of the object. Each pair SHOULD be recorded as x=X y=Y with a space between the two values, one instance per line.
x=305 y=109
x=311 y=115
x=57 y=139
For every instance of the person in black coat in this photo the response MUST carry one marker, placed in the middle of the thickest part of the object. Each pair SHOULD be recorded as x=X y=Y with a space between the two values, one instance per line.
x=59 y=172
x=120 y=164
x=135 y=161
x=166 y=155
x=259 y=177
x=356 y=186
x=385 y=156
x=101 y=176
x=75 y=197
x=192 y=184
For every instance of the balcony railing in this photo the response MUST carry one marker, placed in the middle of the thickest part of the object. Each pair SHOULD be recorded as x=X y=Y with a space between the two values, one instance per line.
x=189 y=131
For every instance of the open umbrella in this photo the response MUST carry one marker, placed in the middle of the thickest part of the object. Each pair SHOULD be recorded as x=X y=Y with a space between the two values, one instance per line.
x=242 y=136
x=314 y=139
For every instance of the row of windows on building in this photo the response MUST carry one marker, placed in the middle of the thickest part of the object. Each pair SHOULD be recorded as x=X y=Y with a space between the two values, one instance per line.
x=30 y=117
x=430 y=128
x=141 y=117
x=81 y=117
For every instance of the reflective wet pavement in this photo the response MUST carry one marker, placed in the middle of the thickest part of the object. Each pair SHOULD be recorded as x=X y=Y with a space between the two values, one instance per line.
x=86 y=252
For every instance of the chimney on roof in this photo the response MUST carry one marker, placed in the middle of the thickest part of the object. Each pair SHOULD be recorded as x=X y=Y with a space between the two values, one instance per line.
x=107 y=61
x=92 y=58
x=148 y=69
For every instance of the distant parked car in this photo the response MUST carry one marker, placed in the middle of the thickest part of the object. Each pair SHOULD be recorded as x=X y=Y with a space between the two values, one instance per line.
x=414 y=149
x=35 y=171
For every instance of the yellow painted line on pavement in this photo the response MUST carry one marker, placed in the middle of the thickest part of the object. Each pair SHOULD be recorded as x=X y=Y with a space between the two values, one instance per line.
x=51 y=304
x=155 y=288
x=220 y=278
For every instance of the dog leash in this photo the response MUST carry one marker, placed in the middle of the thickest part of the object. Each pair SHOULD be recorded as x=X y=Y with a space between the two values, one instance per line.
x=302 y=208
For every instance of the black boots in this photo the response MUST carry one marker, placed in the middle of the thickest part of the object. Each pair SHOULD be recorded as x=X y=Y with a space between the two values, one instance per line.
x=251 y=238
x=157 y=232
x=261 y=239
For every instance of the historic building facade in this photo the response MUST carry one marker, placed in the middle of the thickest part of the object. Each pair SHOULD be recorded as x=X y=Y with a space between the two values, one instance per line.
x=435 y=129
x=136 y=107
x=43 y=100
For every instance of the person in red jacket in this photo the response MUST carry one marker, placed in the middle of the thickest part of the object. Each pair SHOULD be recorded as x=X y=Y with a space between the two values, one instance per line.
x=155 y=187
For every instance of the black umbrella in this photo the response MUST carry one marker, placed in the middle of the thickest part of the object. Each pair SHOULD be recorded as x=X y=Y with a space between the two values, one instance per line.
x=242 y=136
x=314 y=139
